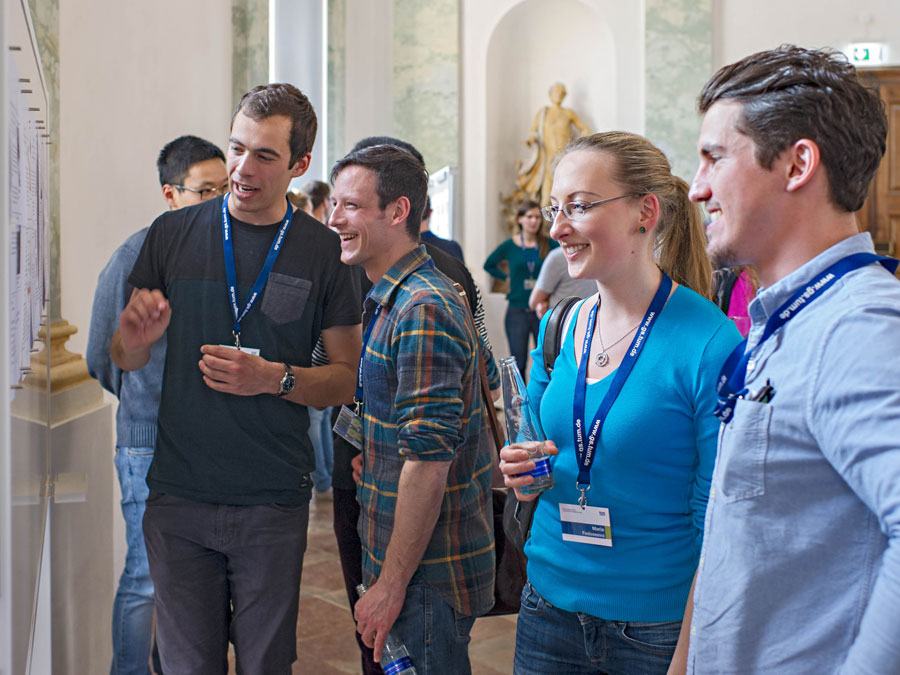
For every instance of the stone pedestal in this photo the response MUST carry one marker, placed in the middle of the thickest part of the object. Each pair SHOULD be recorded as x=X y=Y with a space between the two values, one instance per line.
x=61 y=416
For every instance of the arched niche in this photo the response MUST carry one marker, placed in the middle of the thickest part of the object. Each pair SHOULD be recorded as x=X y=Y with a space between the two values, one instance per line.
x=513 y=50
x=535 y=45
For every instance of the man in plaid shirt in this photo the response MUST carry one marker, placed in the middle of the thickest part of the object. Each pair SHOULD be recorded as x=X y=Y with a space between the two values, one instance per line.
x=424 y=489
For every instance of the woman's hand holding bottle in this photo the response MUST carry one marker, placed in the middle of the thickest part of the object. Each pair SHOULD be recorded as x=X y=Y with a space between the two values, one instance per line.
x=517 y=460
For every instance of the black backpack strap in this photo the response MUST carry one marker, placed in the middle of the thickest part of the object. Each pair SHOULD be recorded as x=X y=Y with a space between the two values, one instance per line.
x=553 y=335
x=724 y=280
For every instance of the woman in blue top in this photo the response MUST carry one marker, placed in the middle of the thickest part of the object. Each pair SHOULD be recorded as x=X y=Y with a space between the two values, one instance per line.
x=524 y=253
x=610 y=583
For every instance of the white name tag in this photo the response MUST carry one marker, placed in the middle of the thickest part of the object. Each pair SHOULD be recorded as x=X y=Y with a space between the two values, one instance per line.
x=249 y=350
x=588 y=525
x=528 y=284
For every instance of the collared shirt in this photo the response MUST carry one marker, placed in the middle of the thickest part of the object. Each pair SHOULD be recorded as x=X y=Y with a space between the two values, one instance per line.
x=800 y=568
x=422 y=402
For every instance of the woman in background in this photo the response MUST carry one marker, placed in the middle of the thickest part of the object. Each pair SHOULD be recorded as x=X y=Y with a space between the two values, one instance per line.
x=523 y=253
x=615 y=542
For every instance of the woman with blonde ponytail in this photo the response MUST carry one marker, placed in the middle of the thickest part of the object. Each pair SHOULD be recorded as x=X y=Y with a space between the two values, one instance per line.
x=629 y=413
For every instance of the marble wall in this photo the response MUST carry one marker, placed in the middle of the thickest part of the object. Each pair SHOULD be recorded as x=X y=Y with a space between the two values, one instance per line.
x=336 y=80
x=678 y=38
x=424 y=55
x=426 y=78
x=250 y=45
x=45 y=16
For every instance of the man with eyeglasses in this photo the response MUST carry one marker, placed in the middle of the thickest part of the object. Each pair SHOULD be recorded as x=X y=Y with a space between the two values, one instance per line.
x=191 y=170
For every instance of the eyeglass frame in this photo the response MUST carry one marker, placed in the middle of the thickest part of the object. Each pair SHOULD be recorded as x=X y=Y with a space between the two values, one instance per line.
x=550 y=216
x=216 y=191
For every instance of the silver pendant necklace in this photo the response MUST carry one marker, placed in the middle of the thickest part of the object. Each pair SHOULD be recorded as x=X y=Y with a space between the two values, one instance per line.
x=602 y=357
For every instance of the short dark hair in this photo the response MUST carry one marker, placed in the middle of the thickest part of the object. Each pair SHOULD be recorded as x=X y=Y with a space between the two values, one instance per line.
x=267 y=100
x=398 y=173
x=791 y=93
x=178 y=156
x=369 y=141
x=316 y=191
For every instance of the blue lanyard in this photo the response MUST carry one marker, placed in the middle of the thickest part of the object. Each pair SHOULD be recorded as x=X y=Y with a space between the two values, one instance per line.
x=731 y=383
x=231 y=275
x=531 y=256
x=358 y=395
x=586 y=452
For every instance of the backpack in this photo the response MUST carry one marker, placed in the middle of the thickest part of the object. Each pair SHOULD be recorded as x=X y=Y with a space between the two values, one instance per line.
x=553 y=335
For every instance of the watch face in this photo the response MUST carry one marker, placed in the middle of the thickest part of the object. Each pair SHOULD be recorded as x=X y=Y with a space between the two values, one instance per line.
x=287 y=382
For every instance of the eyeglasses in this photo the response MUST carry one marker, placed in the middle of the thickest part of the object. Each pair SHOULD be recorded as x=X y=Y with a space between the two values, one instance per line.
x=205 y=193
x=575 y=210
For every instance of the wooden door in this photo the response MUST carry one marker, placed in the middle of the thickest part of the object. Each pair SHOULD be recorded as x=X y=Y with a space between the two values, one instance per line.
x=880 y=215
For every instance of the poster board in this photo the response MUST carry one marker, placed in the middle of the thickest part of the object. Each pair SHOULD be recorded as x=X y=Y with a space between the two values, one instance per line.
x=24 y=430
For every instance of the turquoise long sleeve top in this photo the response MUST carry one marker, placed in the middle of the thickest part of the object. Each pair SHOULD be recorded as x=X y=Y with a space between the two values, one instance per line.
x=652 y=470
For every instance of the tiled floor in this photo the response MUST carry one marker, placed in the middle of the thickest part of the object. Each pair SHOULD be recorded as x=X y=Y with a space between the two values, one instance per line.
x=325 y=642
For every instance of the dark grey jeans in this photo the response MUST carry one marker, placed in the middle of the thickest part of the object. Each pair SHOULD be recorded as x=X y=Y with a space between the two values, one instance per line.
x=225 y=572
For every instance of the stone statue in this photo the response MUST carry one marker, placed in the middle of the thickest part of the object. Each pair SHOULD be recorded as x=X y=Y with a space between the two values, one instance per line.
x=550 y=132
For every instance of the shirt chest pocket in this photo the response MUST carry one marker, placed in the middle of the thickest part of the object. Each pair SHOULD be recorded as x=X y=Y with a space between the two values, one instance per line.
x=285 y=298
x=742 y=459
x=377 y=391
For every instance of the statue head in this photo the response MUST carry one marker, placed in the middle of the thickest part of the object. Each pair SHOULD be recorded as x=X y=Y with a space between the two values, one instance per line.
x=557 y=93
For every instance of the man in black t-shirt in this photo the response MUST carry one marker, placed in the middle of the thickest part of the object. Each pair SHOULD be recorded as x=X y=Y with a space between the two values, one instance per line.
x=243 y=290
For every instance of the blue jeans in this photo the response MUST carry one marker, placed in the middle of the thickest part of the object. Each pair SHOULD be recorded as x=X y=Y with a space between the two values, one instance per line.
x=436 y=635
x=320 y=436
x=520 y=325
x=132 y=622
x=552 y=640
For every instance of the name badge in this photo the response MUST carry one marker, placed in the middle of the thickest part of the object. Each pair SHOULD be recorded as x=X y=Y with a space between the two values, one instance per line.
x=349 y=427
x=588 y=525
x=242 y=348
x=529 y=284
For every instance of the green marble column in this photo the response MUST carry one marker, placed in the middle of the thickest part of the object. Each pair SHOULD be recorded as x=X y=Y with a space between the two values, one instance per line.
x=45 y=16
x=336 y=80
x=426 y=78
x=678 y=60
x=250 y=45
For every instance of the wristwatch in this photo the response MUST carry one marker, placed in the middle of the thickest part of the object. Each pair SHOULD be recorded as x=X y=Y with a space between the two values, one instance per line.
x=287 y=382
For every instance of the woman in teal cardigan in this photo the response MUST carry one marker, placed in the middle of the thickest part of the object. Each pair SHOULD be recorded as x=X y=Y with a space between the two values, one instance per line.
x=524 y=253
x=615 y=543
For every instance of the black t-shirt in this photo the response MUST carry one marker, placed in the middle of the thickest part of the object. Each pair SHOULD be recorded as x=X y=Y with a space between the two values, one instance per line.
x=223 y=448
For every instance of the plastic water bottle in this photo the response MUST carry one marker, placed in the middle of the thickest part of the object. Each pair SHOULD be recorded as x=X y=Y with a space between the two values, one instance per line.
x=394 y=657
x=523 y=425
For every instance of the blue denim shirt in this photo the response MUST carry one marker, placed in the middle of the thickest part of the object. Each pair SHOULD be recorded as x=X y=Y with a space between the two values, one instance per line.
x=800 y=567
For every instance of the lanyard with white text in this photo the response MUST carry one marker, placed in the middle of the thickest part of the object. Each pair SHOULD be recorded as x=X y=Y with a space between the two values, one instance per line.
x=731 y=381
x=358 y=395
x=585 y=452
x=231 y=275
x=530 y=253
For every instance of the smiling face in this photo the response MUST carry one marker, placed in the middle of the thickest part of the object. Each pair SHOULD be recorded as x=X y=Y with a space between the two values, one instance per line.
x=367 y=238
x=259 y=168
x=605 y=241
x=742 y=198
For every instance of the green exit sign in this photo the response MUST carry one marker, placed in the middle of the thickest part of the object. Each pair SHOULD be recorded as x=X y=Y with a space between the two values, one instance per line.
x=865 y=53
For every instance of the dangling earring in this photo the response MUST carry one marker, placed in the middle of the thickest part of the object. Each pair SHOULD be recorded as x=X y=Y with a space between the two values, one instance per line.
x=642 y=229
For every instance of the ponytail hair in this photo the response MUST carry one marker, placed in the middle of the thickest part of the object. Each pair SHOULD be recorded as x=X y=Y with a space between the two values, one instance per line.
x=641 y=168
x=542 y=238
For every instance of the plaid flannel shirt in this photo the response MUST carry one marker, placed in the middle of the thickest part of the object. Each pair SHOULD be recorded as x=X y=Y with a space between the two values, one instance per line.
x=422 y=401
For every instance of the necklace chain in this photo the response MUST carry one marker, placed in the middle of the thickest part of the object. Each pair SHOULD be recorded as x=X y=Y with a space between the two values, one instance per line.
x=602 y=357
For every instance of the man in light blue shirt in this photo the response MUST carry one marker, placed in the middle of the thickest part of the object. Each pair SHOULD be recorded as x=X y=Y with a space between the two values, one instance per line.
x=800 y=568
